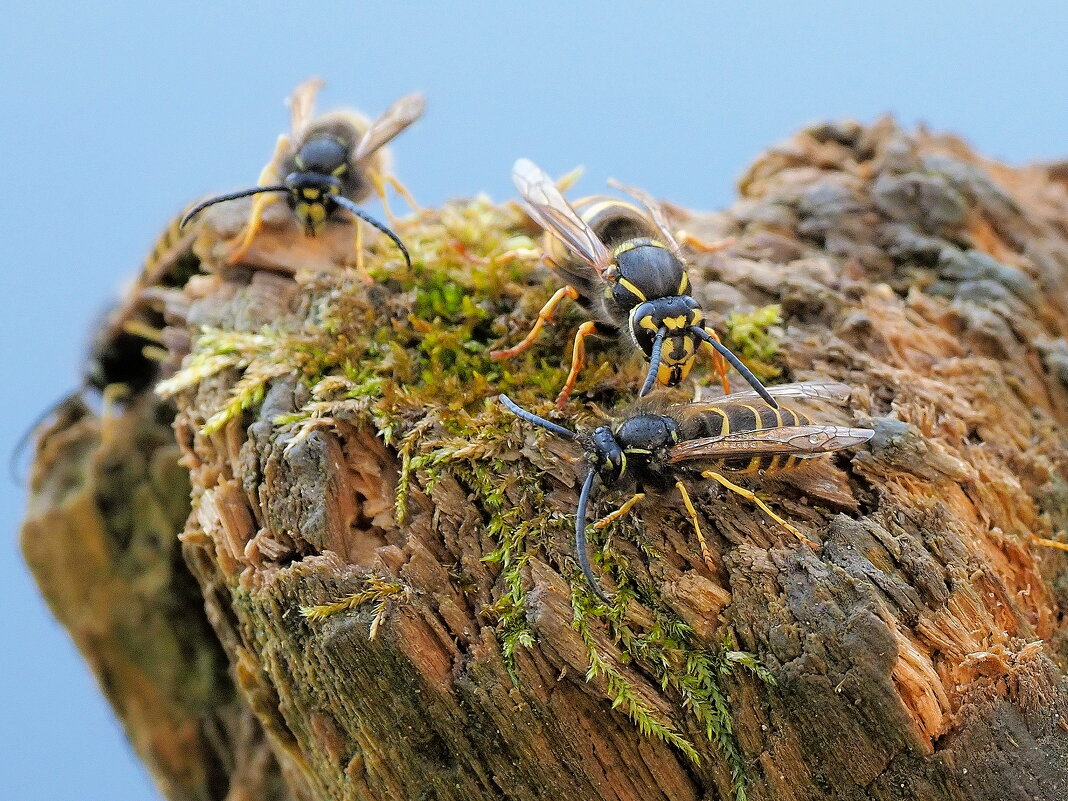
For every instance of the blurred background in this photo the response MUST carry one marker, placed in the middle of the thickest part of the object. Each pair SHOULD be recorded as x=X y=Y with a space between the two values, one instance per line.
x=117 y=114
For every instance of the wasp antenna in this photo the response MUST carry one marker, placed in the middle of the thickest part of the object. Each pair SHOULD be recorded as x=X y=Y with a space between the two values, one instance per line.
x=580 y=536
x=530 y=417
x=352 y=208
x=211 y=201
x=654 y=362
x=746 y=373
x=15 y=457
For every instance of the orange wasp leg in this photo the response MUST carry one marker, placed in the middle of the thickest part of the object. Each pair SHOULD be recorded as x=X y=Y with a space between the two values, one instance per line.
x=718 y=362
x=618 y=513
x=578 y=359
x=361 y=266
x=379 y=181
x=1063 y=546
x=696 y=524
x=268 y=175
x=750 y=496
x=544 y=316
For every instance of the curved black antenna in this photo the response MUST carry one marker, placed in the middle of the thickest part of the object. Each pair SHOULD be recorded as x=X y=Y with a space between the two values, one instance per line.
x=530 y=417
x=580 y=536
x=352 y=208
x=747 y=374
x=24 y=440
x=211 y=201
x=654 y=362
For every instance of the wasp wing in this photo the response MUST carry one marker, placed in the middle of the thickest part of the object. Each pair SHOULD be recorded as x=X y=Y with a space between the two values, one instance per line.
x=656 y=212
x=394 y=120
x=301 y=105
x=834 y=391
x=801 y=441
x=549 y=209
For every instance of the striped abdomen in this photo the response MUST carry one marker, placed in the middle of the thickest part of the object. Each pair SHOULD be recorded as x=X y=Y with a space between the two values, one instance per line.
x=718 y=420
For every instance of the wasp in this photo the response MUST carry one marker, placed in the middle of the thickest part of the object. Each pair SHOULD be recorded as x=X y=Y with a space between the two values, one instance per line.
x=328 y=163
x=732 y=436
x=624 y=266
x=126 y=349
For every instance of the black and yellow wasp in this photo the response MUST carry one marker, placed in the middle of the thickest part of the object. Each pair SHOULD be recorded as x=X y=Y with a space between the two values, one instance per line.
x=331 y=162
x=734 y=435
x=625 y=267
x=127 y=347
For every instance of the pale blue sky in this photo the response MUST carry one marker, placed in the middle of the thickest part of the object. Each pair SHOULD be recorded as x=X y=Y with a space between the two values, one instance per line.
x=116 y=114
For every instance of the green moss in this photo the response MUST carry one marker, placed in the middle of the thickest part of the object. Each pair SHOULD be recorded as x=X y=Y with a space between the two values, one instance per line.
x=378 y=590
x=755 y=336
x=410 y=358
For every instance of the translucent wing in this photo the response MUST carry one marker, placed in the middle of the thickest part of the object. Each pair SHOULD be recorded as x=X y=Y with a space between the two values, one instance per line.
x=548 y=208
x=654 y=209
x=301 y=105
x=394 y=120
x=833 y=391
x=802 y=441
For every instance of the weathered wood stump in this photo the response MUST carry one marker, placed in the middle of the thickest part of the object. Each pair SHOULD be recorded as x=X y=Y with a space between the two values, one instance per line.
x=346 y=452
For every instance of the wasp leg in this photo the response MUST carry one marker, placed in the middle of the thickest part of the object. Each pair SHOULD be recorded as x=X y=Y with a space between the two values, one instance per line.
x=544 y=316
x=618 y=513
x=109 y=410
x=379 y=181
x=578 y=359
x=1063 y=546
x=686 y=238
x=268 y=175
x=719 y=363
x=361 y=266
x=696 y=524
x=142 y=329
x=750 y=496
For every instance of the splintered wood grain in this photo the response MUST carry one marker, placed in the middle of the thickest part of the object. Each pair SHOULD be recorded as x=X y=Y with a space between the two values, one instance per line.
x=906 y=267
x=918 y=652
x=107 y=502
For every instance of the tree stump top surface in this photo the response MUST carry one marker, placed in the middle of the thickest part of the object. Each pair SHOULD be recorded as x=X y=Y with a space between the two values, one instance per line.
x=344 y=443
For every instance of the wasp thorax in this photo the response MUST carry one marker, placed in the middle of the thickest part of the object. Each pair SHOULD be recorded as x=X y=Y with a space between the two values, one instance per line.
x=646 y=270
x=322 y=154
x=646 y=432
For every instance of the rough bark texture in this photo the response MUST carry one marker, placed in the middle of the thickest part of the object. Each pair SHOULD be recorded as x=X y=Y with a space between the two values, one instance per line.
x=342 y=441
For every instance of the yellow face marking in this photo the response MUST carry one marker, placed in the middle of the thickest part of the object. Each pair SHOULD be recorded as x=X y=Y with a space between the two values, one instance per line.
x=627 y=285
x=646 y=321
x=311 y=214
x=337 y=173
x=310 y=194
x=675 y=323
x=663 y=374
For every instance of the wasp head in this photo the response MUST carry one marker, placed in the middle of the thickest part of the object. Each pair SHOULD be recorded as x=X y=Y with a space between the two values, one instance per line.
x=677 y=316
x=320 y=164
x=606 y=456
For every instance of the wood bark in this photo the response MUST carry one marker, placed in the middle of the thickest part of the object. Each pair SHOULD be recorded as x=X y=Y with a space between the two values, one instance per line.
x=342 y=441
